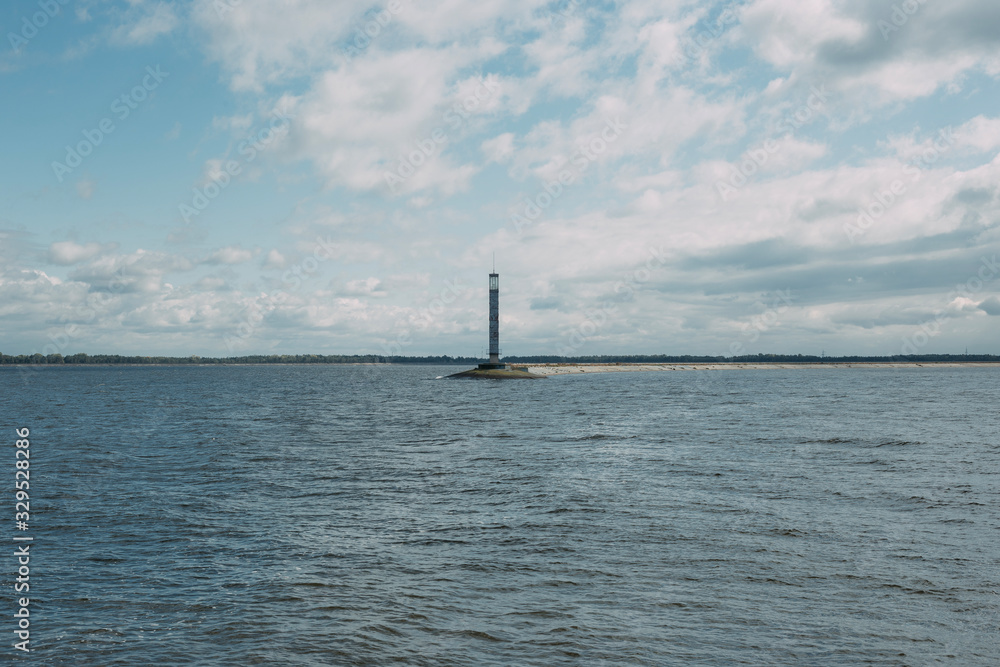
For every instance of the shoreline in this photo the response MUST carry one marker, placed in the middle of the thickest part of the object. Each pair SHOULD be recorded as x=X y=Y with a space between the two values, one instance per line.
x=571 y=369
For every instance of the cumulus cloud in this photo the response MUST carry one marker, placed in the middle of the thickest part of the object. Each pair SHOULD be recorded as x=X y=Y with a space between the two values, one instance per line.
x=873 y=53
x=234 y=254
x=145 y=22
x=141 y=270
x=499 y=148
x=865 y=214
x=981 y=134
x=363 y=287
x=275 y=260
x=991 y=306
x=392 y=114
x=66 y=253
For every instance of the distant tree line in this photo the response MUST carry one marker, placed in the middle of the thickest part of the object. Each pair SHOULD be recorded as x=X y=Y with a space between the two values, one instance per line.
x=116 y=359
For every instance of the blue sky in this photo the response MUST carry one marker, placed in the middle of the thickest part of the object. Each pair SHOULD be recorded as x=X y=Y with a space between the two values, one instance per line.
x=226 y=177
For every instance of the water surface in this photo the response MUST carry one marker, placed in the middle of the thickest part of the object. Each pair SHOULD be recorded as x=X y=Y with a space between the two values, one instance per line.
x=352 y=515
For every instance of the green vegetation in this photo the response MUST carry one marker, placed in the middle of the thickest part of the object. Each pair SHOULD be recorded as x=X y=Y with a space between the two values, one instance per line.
x=117 y=359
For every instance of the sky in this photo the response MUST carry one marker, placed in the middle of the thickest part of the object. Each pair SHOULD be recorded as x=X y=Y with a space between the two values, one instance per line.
x=231 y=177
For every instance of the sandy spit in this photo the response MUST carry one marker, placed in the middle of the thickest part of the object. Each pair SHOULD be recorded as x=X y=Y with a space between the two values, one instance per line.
x=565 y=369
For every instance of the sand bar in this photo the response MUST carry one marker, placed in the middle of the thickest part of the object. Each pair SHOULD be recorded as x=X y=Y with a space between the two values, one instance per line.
x=566 y=369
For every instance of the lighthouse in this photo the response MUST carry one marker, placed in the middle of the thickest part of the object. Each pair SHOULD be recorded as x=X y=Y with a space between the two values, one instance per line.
x=494 y=369
x=494 y=362
x=494 y=318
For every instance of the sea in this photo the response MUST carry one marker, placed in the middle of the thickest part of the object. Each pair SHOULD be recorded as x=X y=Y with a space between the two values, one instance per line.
x=386 y=515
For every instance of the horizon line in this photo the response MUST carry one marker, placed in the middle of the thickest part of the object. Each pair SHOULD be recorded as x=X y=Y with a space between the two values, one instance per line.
x=83 y=358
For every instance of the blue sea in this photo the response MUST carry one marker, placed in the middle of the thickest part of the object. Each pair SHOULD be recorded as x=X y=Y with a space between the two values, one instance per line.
x=380 y=515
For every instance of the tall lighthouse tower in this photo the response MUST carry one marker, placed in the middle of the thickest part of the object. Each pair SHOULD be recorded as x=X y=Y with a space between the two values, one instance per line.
x=494 y=369
x=494 y=318
x=494 y=362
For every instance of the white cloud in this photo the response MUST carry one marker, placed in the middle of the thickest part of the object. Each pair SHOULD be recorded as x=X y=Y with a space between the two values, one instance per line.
x=66 y=253
x=141 y=271
x=794 y=154
x=563 y=72
x=786 y=33
x=981 y=134
x=365 y=287
x=275 y=260
x=847 y=46
x=271 y=40
x=234 y=254
x=360 y=124
x=499 y=148
x=148 y=21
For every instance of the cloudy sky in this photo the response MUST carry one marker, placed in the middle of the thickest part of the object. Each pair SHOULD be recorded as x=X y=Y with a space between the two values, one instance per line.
x=223 y=177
